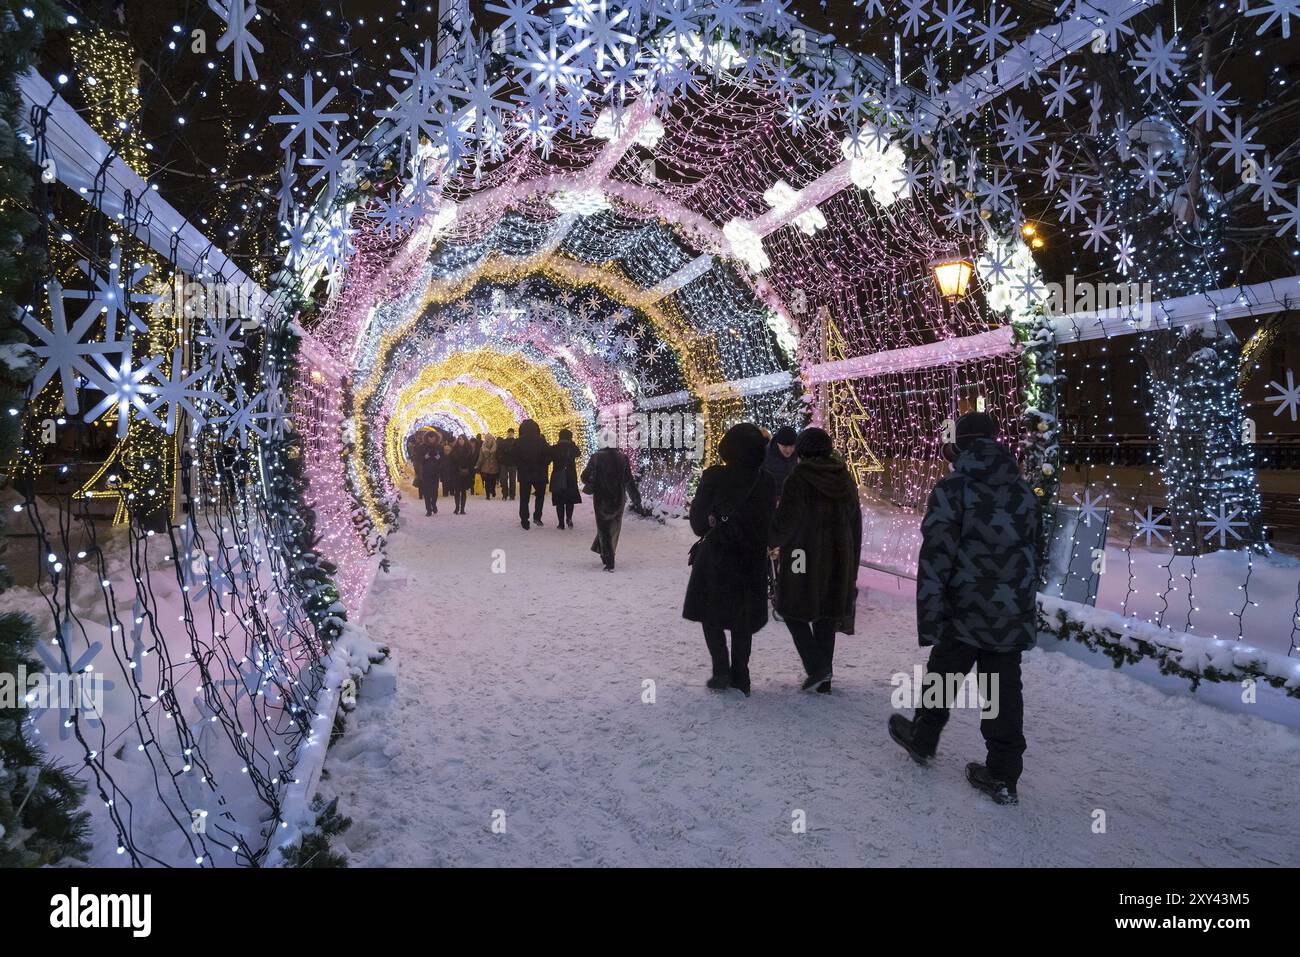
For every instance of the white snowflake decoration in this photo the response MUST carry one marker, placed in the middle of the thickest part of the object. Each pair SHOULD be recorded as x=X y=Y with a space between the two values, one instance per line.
x=1288 y=399
x=1090 y=507
x=1150 y=524
x=61 y=349
x=1157 y=60
x=181 y=392
x=1223 y=523
x=125 y=388
x=239 y=16
x=308 y=119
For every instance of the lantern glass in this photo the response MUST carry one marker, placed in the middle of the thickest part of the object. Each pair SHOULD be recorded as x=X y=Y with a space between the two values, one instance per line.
x=952 y=276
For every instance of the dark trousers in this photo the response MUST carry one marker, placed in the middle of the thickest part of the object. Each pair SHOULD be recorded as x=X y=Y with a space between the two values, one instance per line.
x=508 y=476
x=607 y=532
x=489 y=485
x=1004 y=734
x=815 y=642
x=460 y=496
x=431 y=500
x=737 y=666
x=537 y=489
x=564 y=513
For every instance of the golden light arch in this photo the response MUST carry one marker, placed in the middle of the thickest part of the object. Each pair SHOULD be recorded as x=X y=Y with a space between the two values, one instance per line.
x=479 y=380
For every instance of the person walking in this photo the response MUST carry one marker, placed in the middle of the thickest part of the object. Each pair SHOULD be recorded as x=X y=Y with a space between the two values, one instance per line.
x=976 y=603
x=428 y=470
x=463 y=457
x=447 y=469
x=564 y=478
x=727 y=591
x=506 y=459
x=780 y=458
x=532 y=457
x=818 y=530
x=488 y=465
x=608 y=476
x=413 y=443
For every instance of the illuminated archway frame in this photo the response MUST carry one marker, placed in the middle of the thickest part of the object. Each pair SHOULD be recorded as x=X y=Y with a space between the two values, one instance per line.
x=1000 y=228
x=498 y=387
x=697 y=358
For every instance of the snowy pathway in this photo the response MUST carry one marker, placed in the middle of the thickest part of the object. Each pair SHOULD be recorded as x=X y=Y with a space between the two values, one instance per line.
x=522 y=692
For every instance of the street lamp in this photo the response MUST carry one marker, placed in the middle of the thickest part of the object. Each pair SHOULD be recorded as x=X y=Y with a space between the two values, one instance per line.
x=952 y=275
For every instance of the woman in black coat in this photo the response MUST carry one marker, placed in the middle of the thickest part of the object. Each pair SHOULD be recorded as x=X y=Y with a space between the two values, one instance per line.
x=564 y=478
x=463 y=458
x=731 y=512
x=818 y=528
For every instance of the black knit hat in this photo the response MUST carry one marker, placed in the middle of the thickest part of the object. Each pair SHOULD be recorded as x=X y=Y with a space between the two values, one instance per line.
x=743 y=445
x=975 y=425
x=785 y=435
x=813 y=442
x=566 y=435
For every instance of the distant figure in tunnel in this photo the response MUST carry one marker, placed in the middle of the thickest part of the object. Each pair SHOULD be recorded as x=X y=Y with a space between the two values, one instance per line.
x=476 y=446
x=489 y=465
x=564 y=478
x=780 y=459
x=731 y=512
x=462 y=459
x=818 y=531
x=506 y=459
x=427 y=462
x=608 y=476
x=532 y=458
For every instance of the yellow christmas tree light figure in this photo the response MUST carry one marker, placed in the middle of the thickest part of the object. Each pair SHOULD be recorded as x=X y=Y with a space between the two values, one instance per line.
x=846 y=414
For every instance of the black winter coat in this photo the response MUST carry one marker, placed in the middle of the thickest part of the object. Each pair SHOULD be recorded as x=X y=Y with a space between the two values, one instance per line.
x=818 y=526
x=977 y=574
x=463 y=458
x=778 y=466
x=506 y=452
x=427 y=461
x=609 y=475
x=564 y=473
x=532 y=458
x=728 y=585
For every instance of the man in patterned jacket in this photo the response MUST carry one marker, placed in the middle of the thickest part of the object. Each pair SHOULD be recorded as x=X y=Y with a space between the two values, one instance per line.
x=976 y=582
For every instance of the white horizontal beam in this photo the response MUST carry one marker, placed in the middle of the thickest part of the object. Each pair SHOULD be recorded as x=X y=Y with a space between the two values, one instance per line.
x=692 y=271
x=88 y=166
x=1219 y=305
x=948 y=352
x=1039 y=50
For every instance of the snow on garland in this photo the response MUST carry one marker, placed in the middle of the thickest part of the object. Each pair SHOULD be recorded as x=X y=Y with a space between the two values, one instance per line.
x=1197 y=658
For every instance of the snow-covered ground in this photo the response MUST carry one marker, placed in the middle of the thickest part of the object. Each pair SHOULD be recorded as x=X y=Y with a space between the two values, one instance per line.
x=520 y=693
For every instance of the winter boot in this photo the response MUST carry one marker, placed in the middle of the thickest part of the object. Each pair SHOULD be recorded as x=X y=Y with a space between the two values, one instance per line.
x=903 y=731
x=817 y=680
x=982 y=780
x=740 y=681
x=717 y=682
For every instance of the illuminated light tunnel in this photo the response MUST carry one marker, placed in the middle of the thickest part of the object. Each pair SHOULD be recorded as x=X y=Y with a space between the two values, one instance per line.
x=733 y=218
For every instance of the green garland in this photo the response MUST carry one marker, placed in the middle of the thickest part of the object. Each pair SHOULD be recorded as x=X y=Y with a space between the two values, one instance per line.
x=1128 y=648
x=41 y=822
x=1040 y=441
x=285 y=491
